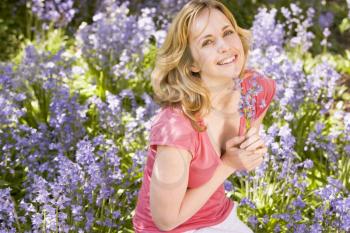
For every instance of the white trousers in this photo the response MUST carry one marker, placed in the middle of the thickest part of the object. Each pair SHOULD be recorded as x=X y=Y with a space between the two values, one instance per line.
x=232 y=224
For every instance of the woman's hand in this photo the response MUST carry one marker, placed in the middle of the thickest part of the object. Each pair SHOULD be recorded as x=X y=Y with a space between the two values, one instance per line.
x=249 y=156
x=253 y=140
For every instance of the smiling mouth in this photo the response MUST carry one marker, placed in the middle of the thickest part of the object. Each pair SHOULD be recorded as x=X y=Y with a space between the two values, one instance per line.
x=228 y=60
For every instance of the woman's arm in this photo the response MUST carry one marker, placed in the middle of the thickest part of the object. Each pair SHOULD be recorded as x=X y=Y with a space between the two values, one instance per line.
x=196 y=198
x=171 y=202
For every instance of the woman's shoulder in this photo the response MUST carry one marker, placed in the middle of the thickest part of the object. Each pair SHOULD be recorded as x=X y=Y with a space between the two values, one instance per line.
x=253 y=79
x=170 y=127
x=170 y=115
x=261 y=86
x=251 y=74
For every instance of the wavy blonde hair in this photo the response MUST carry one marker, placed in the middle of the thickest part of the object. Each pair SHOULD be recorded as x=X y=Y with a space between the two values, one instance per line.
x=173 y=83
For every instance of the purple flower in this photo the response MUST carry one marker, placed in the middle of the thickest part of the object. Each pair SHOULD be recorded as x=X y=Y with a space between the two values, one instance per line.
x=322 y=82
x=89 y=220
x=303 y=36
x=139 y=159
x=67 y=118
x=246 y=201
x=61 y=12
x=7 y=211
x=326 y=19
x=286 y=217
x=253 y=220
x=114 y=36
x=331 y=190
x=228 y=185
x=316 y=228
x=110 y=113
x=248 y=98
x=37 y=220
x=308 y=164
x=277 y=228
x=265 y=24
x=297 y=216
x=85 y=153
x=298 y=203
x=300 y=228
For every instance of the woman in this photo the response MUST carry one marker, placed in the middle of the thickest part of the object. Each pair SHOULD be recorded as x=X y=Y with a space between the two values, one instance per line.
x=198 y=138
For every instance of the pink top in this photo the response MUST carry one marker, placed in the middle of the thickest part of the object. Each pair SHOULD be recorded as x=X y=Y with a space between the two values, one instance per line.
x=171 y=127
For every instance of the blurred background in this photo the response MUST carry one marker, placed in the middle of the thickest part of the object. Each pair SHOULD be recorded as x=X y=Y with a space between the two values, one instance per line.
x=76 y=108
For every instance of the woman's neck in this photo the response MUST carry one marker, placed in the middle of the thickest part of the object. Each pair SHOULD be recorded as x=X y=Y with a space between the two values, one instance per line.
x=222 y=95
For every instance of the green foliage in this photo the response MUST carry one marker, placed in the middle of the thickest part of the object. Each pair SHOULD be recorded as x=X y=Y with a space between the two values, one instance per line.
x=11 y=28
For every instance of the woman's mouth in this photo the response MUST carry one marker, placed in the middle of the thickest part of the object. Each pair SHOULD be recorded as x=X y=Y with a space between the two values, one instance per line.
x=228 y=60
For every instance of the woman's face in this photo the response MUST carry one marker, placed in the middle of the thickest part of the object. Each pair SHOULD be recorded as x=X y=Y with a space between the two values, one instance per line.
x=216 y=48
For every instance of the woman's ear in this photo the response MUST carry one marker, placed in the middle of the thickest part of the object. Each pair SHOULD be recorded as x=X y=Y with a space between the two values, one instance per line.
x=194 y=68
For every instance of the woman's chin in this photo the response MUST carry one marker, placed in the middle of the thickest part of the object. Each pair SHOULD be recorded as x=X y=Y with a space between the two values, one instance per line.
x=231 y=75
x=231 y=72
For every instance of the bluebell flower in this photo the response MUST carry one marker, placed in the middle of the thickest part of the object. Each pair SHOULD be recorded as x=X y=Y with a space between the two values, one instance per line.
x=7 y=211
x=326 y=19
x=316 y=228
x=277 y=228
x=114 y=33
x=246 y=201
x=265 y=24
x=228 y=185
x=300 y=228
x=253 y=220
x=298 y=203
x=60 y=12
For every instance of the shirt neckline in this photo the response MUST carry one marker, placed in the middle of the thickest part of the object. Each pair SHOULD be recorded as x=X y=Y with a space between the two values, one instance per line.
x=241 y=123
x=241 y=128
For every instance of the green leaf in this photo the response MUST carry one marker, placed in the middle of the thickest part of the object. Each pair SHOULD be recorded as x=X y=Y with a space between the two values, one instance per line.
x=4 y=183
x=344 y=25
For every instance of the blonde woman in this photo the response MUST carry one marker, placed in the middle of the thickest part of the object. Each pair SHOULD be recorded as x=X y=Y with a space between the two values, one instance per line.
x=198 y=138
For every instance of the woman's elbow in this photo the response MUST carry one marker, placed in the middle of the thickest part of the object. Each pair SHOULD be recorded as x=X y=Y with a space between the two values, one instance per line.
x=164 y=225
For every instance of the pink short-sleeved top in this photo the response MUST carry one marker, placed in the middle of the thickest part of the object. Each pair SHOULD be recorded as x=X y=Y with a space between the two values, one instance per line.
x=171 y=127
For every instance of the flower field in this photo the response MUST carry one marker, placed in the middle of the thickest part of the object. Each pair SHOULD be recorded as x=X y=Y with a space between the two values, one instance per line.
x=76 y=106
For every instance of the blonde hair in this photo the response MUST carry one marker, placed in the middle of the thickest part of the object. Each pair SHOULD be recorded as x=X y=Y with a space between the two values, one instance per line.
x=173 y=83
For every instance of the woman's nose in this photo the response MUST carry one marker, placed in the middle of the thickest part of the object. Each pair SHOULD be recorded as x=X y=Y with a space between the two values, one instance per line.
x=222 y=45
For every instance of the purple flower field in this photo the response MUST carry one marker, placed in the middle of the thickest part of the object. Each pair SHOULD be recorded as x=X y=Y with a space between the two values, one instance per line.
x=76 y=112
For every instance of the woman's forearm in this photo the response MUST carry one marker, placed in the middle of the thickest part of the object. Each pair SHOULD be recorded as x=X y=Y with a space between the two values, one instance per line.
x=195 y=198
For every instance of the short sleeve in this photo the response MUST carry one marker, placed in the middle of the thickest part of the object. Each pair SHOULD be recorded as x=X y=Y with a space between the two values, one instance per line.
x=266 y=95
x=172 y=130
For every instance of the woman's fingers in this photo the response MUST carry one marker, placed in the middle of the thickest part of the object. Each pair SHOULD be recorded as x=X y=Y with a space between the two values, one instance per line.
x=256 y=163
x=256 y=145
x=262 y=150
x=249 y=140
x=243 y=160
x=251 y=131
x=247 y=158
x=244 y=152
x=235 y=141
x=254 y=157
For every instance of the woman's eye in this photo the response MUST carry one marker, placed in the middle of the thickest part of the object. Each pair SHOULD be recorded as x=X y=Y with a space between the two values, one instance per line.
x=228 y=32
x=205 y=43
